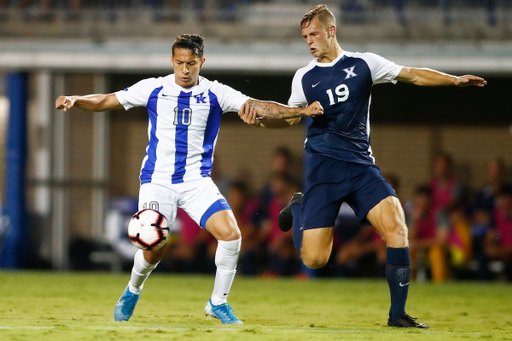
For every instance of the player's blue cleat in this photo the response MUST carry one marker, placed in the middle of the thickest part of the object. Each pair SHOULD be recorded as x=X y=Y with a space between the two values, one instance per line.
x=223 y=312
x=125 y=305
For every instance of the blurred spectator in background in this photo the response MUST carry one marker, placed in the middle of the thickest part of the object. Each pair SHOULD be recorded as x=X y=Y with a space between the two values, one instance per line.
x=283 y=260
x=281 y=165
x=193 y=250
x=445 y=187
x=245 y=208
x=460 y=244
x=484 y=207
x=428 y=234
x=481 y=223
x=486 y=198
x=498 y=242
x=361 y=250
x=450 y=197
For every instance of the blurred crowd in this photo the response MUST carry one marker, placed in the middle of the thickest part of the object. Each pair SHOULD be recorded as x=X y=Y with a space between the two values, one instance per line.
x=353 y=11
x=454 y=233
x=161 y=10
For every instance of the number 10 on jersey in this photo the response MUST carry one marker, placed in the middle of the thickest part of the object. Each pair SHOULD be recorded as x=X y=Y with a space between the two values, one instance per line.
x=341 y=91
x=185 y=116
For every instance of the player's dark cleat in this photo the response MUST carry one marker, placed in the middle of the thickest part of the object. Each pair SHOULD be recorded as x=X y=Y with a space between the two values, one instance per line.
x=407 y=321
x=285 y=218
x=126 y=305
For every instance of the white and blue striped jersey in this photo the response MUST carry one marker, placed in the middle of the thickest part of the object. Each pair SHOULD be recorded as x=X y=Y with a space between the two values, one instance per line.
x=183 y=125
x=343 y=87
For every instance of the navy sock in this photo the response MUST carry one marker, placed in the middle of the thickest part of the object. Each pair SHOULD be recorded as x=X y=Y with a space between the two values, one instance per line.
x=398 y=274
x=297 y=224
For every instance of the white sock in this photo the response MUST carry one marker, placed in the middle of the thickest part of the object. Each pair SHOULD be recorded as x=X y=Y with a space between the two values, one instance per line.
x=226 y=258
x=140 y=271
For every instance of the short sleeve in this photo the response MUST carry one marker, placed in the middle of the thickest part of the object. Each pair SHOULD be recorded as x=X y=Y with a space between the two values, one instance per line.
x=382 y=70
x=230 y=100
x=136 y=95
x=297 y=97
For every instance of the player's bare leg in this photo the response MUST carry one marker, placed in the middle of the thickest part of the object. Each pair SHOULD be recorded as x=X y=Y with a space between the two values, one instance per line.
x=388 y=217
x=144 y=263
x=316 y=247
x=153 y=257
x=222 y=225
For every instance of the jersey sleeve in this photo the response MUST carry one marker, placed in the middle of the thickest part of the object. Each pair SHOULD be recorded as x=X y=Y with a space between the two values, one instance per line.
x=230 y=100
x=297 y=97
x=382 y=70
x=136 y=95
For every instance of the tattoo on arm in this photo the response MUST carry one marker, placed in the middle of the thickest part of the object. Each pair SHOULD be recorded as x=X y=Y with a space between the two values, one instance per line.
x=273 y=110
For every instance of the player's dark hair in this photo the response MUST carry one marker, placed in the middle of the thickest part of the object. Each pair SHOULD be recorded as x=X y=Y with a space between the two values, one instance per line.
x=192 y=42
x=324 y=15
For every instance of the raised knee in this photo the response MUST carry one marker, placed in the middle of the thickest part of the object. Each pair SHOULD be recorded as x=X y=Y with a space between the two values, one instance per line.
x=398 y=231
x=232 y=233
x=396 y=235
x=314 y=261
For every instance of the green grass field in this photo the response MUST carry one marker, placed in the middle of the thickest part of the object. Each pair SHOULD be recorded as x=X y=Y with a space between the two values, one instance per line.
x=79 y=306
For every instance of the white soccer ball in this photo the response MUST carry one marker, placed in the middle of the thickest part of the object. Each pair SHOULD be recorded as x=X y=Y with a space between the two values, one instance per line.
x=148 y=230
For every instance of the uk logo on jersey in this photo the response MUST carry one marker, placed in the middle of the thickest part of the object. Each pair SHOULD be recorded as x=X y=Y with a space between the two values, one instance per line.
x=350 y=72
x=200 y=98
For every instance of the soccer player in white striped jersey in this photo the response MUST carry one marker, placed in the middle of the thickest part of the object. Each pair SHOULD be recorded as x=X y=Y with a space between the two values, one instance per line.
x=184 y=116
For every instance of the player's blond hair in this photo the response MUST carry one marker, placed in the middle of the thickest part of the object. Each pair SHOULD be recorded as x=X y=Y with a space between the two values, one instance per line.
x=324 y=15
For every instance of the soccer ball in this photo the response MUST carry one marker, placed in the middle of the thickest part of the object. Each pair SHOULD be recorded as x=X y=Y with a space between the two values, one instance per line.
x=148 y=230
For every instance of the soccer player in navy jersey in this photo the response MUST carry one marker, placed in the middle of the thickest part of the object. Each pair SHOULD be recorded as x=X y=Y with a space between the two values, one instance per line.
x=341 y=167
x=184 y=116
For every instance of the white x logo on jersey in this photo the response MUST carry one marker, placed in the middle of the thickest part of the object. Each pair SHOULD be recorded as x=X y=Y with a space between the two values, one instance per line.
x=350 y=72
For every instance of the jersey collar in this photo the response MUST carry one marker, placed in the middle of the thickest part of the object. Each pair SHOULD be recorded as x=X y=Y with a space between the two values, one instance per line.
x=342 y=54
x=195 y=89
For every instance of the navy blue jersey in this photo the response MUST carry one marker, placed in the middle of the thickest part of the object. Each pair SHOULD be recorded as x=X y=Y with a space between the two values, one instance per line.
x=343 y=87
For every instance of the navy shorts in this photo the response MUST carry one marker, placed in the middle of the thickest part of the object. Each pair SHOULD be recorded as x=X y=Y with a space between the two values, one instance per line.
x=331 y=182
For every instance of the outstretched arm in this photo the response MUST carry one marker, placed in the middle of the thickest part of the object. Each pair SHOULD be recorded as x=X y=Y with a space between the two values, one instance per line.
x=267 y=114
x=89 y=102
x=428 y=77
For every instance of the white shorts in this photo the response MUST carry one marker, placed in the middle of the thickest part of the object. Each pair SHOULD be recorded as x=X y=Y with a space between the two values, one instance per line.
x=199 y=198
